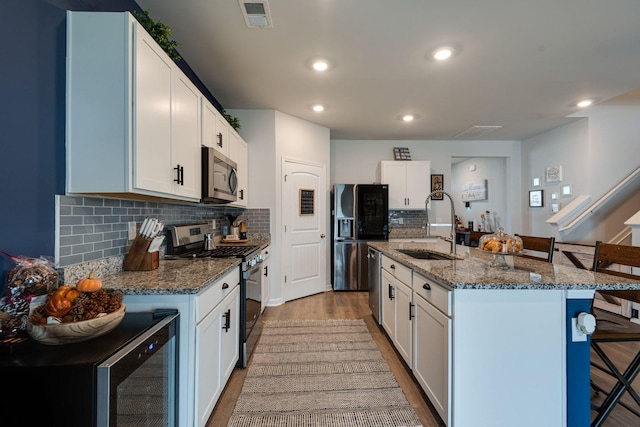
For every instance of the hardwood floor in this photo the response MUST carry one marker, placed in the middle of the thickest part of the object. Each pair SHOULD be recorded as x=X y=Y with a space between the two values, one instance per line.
x=621 y=354
x=355 y=305
x=325 y=306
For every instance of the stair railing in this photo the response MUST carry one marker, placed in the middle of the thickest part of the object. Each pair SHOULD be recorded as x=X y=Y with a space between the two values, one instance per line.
x=581 y=201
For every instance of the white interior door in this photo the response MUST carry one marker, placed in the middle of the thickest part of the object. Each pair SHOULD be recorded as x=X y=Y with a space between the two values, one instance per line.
x=304 y=229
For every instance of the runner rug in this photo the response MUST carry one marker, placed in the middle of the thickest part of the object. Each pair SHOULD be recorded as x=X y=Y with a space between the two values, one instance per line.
x=320 y=373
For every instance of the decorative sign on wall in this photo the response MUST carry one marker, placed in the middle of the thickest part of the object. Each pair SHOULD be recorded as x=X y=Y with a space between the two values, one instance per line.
x=474 y=191
x=553 y=173
x=437 y=183
x=535 y=199
x=307 y=201
x=401 y=153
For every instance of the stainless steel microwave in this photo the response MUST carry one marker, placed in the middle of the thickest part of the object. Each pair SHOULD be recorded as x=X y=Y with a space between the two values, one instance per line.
x=219 y=177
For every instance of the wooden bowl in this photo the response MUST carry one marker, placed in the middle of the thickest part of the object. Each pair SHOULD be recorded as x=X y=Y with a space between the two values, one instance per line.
x=66 y=333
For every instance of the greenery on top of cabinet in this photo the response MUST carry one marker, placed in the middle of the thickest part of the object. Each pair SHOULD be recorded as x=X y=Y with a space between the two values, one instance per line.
x=160 y=32
x=233 y=121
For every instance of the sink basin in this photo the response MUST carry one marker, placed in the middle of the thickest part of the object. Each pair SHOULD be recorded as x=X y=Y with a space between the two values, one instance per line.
x=423 y=254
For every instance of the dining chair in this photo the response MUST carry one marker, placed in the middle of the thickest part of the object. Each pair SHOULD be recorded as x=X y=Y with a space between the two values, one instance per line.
x=474 y=238
x=544 y=245
x=613 y=328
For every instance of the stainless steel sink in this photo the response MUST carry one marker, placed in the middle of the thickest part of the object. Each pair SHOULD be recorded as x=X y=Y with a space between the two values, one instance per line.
x=424 y=254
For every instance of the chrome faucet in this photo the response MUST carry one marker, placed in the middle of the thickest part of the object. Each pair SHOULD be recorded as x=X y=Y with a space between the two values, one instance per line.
x=452 y=238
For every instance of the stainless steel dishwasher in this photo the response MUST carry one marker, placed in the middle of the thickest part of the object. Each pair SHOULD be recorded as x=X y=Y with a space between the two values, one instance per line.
x=373 y=258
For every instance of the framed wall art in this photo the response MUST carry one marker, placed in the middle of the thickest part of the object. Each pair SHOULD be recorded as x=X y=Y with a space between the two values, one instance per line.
x=553 y=173
x=566 y=190
x=474 y=191
x=535 y=198
x=555 y=207
x=437 y=183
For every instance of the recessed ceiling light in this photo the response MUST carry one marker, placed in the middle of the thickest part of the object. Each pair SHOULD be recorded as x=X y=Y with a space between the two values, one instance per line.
x=320 y=65
x=318 y=108
x=584 y=103
x=442 y=53
x=408 y=117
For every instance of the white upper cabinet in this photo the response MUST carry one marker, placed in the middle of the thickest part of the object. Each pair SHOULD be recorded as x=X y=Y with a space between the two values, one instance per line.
x=409 y=183
x=238 y=152
x=133 y=117
x=222 y=135
x=209 y=120
x=215 y=128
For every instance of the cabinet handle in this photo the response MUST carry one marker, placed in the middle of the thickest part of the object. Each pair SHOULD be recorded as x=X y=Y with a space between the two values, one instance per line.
x=392 y=266
x=426 y=286
x=227 y=320
x=390 y=291
x=225 y=285
x=266 y=271
x=242 y=194
x=219 y=144
x=179 y=174
x=411 y=315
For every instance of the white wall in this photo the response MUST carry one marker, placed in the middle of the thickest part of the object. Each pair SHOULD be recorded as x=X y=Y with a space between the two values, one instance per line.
x=596 y=152
x=358 y=162
x=492 y=169
x=272 y=136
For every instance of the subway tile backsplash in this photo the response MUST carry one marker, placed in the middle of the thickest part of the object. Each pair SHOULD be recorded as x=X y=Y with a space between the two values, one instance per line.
x=91 y=228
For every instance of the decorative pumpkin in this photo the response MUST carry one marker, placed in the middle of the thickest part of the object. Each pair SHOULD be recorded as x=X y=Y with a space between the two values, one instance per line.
x=57 y=305
x=89 y=284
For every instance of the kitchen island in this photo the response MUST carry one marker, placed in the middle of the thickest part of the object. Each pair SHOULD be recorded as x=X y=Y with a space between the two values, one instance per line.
x=492 y=346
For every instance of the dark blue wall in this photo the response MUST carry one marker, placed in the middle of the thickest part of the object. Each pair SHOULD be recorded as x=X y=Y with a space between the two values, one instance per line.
x=32 y=117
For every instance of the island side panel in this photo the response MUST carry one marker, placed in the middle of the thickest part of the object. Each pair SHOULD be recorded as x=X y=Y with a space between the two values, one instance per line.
x=578 y=361
x=509 y=358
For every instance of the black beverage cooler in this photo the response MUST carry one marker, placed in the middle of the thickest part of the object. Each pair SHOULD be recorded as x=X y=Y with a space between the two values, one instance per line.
x=126 y=377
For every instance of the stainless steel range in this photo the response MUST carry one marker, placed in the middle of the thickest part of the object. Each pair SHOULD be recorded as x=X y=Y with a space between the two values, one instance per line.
x=188 y=241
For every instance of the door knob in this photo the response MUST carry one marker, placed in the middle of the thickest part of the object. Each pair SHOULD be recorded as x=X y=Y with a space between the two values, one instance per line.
x=322 y=236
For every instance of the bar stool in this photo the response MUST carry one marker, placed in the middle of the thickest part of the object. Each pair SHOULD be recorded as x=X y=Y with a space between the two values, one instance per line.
x=538 y=244
x=614 y=328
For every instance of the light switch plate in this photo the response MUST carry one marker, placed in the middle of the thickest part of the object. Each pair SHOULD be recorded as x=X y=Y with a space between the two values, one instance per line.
x=576 y=335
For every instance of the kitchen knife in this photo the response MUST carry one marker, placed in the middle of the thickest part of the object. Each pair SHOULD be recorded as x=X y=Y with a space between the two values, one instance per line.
x=143 y=225
x=146 y=232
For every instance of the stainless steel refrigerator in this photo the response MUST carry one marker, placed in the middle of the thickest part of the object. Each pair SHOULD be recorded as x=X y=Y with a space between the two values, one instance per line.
x=360 y=213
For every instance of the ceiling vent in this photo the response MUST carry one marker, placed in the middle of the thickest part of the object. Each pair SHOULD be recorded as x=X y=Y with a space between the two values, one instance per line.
x=477 y=131
x=256 y=13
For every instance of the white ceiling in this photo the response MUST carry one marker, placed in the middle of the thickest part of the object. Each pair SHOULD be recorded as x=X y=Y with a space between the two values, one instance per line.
x=521 y=64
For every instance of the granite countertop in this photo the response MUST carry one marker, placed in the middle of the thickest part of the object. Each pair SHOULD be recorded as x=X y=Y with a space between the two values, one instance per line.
x=179 y=276
x=473 y=270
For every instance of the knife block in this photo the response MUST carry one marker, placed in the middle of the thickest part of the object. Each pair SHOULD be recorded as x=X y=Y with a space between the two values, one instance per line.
x=138 y=259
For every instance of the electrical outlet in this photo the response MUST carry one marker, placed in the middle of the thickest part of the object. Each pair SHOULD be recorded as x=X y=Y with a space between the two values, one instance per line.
x=132 y=230
x=400 y=221
x=635 y=312
x=213 y=224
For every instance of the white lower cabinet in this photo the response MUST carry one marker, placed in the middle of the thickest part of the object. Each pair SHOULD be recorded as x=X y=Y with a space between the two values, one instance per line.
x=404 y=323
x=417 y=317
x=432 y=349
x=397 y=307
x=209 y=342
x=217 y=350
x=388 y=304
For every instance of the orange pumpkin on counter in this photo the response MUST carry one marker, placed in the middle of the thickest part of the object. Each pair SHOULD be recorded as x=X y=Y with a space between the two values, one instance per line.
x=89 y=284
